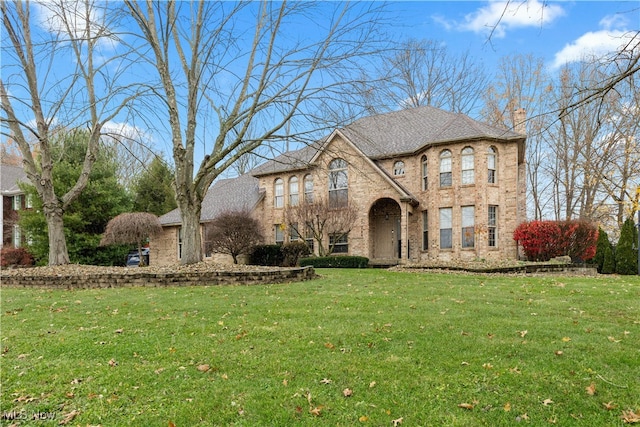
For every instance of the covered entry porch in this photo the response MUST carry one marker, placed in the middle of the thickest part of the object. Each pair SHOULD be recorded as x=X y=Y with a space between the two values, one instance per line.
x=388 y=232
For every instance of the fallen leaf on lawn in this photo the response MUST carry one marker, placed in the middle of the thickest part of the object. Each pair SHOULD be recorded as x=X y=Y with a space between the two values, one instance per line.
x=515 y=370
x=465 y=364
x=204 y=367
x=396 y=422
x=609 y=405
x=329 y=345
x=507 y=407
x=171 y=424
x=522 y=417
x=468 y=406
x=325 y=381
x=22 y=356
x=490 y=336
x=547 y=402
x=558 y=353
x=612 y=339
x=67 y=418
x=113 y=362
x=372 y=384
x=70 y=395
x=285 y=382
x=631 y=417
x=363 y=419
x=591 y=389
x=487 y=366
x=347 y=392
x=159 y=370
x=224 y=376
x=523 y=334
x=317 y=411
x=26 y=399
x=119 y=331
x=566 y=339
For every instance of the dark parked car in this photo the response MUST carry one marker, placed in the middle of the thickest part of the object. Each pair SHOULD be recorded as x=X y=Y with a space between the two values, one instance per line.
x=133 y=259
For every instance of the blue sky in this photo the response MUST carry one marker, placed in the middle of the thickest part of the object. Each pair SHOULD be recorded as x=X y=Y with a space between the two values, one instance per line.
x=558 y=32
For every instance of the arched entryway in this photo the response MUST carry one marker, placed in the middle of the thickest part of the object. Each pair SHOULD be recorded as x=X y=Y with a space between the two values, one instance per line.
x=385 y=241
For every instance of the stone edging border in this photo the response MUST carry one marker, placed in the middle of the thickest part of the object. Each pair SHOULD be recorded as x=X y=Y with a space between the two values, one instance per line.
x=143 y=279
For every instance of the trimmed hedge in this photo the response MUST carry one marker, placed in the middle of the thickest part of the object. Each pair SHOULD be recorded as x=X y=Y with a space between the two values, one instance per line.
x=336 y=262
x=15 y=257
x=267 y=255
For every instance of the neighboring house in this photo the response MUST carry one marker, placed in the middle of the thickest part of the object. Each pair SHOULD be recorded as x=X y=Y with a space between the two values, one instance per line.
x=430 y=185
x=13 y=201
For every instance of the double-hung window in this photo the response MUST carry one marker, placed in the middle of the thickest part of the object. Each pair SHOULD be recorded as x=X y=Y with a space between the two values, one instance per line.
x=468 y=226
x=492 y=225
x=338 y=184
x=445 y=169
x=468 y=170
x=446 y=230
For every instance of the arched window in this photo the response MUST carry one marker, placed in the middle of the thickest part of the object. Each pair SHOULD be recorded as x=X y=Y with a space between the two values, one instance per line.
x=398 y=168
x=425 y=172
x=492 y=155
x=338 y=183
x=308 y=188
x=278 y=193
x=445 y=169
x=468 y=161
x=293 y=191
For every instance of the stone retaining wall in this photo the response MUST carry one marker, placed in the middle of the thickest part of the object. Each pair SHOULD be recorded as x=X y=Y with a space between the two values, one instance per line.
x=115 y=280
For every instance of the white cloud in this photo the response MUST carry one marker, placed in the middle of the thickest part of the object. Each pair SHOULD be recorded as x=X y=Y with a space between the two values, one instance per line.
x=500 y=16
x=595 y=44
x=69 y=17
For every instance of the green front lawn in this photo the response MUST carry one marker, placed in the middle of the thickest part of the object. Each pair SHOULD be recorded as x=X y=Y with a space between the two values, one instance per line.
x=356 y=347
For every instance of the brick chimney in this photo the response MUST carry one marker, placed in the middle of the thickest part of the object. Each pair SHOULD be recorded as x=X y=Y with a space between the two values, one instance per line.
x=520 y=121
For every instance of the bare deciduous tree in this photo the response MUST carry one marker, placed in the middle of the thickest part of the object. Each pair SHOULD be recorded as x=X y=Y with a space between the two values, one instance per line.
x=36 y=102
x=131 y=228
x=233 y=233
x=319 y=220
x=213 y=65
x=423 y=72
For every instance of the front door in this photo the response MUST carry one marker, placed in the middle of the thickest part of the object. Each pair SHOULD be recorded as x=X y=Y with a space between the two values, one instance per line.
x=384 y=229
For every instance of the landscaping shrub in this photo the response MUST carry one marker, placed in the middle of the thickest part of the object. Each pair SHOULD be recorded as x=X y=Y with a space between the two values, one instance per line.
x=15 y=257
x=543 y=240
x=268 y=255
x=609 y=263
x=601 y=244
x=578 y=240
x=336 y=262
x=626 y=255
x=539 y=239
x=292 y=252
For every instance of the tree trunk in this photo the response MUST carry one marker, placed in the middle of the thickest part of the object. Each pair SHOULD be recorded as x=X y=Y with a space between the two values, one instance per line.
x=58 y=254
x=191 y=239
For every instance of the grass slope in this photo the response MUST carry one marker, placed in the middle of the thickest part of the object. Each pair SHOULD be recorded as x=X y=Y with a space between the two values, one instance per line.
x=356 y=347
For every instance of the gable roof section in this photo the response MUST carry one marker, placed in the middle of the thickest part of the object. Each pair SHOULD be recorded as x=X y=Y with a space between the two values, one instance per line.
x=407 y=131
x=289 y=161
x=232 y=194
x=10 y=177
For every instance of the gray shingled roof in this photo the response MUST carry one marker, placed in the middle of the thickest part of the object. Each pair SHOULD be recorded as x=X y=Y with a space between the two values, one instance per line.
x=230 y=194
x=10 y=176
x=291 y=160
x=408 y=131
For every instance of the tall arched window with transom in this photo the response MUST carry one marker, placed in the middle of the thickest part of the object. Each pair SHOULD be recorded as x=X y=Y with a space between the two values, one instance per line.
x=278 y=193
x=492 y=161
x=445 y=169
x=468 y=166
x=293 y=191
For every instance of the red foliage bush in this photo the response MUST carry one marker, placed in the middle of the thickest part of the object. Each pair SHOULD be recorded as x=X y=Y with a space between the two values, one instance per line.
x=543 y=240
x=15 y=256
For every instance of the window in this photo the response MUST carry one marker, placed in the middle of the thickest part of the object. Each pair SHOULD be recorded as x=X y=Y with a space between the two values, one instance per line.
x=398 y=168
x=468 y=226
x=17 y=236
x=338 y=183
x=17 y=202
x=491 y=165
x=339 y=242
x=308 y=189
x=278 y=193
x=294 y=236
x=425 y=170
x=29 y=201
x=279 y=233
x=446 y=217
x=445 y=169
x=425 y=231
x=308 y=238
x=492 y=226
x=293 y=191
x=468 y=160
x=179 y=242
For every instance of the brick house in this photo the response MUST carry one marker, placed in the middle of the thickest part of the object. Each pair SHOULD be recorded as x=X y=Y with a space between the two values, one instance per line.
x=13 y=201
x=429 y=185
